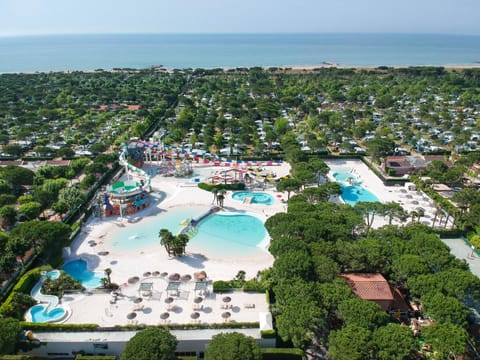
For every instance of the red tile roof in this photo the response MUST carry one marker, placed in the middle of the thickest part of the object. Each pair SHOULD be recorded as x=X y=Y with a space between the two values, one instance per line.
x=369 y=286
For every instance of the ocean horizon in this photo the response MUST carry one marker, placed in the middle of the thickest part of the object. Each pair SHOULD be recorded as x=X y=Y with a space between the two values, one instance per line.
x=44 y=53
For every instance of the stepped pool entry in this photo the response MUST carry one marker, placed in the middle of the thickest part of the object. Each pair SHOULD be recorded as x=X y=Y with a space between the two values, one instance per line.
x=353 y=189
x=221 y=233
x=49 y=309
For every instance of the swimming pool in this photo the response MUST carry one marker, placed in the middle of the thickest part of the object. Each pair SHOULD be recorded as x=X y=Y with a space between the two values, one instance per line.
x=38 y=314
x=77 y=269
x=352 y=188
x=222 y=234
x=253 y=197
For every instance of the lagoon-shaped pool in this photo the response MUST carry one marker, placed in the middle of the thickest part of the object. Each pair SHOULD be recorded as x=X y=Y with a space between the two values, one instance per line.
x=352 y=188
x=226 y=234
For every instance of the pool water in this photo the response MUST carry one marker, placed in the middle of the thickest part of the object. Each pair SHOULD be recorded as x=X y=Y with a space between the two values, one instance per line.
x=226 y=234
x=352 y=189
x=77 y=269
x=39 y=315
x=256 y=197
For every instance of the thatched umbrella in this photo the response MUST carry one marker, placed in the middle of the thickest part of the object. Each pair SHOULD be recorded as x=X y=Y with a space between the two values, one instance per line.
x=131 y=315
x=195 y=315
x=198 y=300
x=174 y=277
x=156 y=273
x=200 y=275
x=226 y=315
x=164 y=316
x=147 y=274
x=164 y=274
x=226 y=299
x=138 y=300
x=186 y=277
x=133 y=280
x=169 y=300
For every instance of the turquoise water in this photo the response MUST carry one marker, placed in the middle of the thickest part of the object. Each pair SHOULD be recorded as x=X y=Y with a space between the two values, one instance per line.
x=88 y=52
x=77 y=269
x=53 y=274
x=352 y=190
x=229 y=234
x=39 y=315
x=257 y=198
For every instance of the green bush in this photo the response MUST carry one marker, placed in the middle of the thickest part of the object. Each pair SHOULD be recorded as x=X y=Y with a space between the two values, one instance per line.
x=59 y=327
x=23 y=286
x=282 y=354
x=268 y=334
x=211 y=187
x=95 y=357
x=22 y=357
x=254 y=286
x=221 y=286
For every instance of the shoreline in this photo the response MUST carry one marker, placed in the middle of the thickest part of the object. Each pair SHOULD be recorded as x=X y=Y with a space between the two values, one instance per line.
x=284 y=68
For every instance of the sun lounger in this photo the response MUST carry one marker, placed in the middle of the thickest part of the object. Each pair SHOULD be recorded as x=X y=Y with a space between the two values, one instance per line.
x=249 y=306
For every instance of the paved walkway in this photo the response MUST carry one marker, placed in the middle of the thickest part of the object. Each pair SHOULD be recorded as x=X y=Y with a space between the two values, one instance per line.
x=461 y=250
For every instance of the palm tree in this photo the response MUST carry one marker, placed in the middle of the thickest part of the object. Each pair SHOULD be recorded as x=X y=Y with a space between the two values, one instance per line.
x=108 y=272
x=166 y=239
x=179 y=243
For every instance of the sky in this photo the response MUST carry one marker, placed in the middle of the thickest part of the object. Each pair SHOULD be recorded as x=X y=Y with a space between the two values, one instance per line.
x=39 y=17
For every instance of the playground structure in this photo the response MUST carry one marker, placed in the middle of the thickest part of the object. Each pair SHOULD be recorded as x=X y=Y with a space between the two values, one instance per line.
x=243 y=174
x=190 y=224
x=132 y=195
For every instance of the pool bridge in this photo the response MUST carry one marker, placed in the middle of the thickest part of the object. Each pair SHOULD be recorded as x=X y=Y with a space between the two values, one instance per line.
x=196 y=220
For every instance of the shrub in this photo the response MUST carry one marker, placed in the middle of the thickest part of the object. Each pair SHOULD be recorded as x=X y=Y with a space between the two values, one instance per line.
x=94 y=357
x=282 y=354
x=211 y=187
x=59 y=285
x=23 y=286
x=221 y=286
x=254 y=286
x=268 y=334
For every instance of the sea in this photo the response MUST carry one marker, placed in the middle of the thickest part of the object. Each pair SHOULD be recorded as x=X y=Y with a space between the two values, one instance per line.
x=178 y=51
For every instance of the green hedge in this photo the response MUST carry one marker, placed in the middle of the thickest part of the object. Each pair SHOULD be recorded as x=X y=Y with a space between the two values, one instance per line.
x=95 y=357
x=211 y=187
x=221 y=286
x=282 y=354
x=24 y=286
x=254 y=286
x=268 y=334
x=59 y=327
x=22 y=357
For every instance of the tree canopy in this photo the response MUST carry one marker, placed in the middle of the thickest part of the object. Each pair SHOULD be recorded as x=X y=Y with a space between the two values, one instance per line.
x=151 y=344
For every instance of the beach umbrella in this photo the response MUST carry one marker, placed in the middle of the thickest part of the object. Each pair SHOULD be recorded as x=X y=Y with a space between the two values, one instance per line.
x=198 y=300
x=138 y=300
x=186 y=277
x=156 y=273
x=131 y=315
x=103 y=253
x=195 y=315
x=200 y=275
x=133 y=280
x=164 y=315
x=226 y=299
x=226 y=315
x=147 y=274
x=164 y=274
x=169 y=300
x=174 y=277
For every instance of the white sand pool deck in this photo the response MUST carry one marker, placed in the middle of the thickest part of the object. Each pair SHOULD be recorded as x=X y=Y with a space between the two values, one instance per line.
x=179 y=193
x=409 y=200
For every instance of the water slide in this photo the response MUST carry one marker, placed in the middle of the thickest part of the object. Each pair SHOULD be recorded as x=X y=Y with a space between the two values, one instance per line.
x=193 y=222
x=51 y=300
x=123 y=162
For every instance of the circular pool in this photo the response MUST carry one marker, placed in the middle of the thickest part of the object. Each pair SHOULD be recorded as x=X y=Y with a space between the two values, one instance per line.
x=253 y=197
